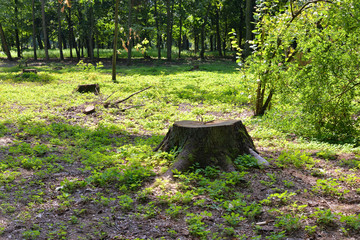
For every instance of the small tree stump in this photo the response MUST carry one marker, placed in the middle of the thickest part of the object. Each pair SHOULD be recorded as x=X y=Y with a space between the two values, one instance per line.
x=95 y=88
x=214 y=143
x=29 y=71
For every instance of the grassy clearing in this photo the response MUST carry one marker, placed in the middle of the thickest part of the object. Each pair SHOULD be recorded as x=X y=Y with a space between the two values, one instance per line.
x=67 y=175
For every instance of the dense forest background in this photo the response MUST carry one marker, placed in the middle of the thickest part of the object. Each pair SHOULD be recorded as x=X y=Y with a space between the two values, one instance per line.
x=144 y=25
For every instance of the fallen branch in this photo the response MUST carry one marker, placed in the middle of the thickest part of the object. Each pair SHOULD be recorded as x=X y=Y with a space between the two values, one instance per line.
x=127 y=108
x=108 y=104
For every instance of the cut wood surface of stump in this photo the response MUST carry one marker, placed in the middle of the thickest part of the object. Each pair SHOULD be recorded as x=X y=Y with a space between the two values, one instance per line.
x=215 y=143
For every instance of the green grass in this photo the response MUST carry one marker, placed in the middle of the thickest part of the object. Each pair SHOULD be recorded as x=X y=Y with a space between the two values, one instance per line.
x=64 y=174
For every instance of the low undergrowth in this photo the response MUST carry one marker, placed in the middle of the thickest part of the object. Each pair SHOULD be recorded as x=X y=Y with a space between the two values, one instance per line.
x=67 y=175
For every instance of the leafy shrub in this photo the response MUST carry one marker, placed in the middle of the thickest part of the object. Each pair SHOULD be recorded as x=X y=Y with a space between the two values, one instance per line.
x=297 y=159
x=69 y=186
x=288 y=222
x=246 y=161
x=324 y=217
x=125 y=202
x=352 y=221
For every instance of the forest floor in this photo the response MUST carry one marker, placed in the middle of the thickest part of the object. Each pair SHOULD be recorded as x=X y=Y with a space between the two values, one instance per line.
x=69 y=175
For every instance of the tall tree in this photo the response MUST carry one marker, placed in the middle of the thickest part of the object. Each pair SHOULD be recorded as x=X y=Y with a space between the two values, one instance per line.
x=169 y=22
x=180 y=25
x=202 y=52
x=71 y=31
x=115 y=40
x=59 y=33
x=129 y=38
x=158 y=34
x=91 y=32
x=218 y=38
x=17 y=39
x=34 y=28
x=44 y=30
x=249 y=10
x=5 y=46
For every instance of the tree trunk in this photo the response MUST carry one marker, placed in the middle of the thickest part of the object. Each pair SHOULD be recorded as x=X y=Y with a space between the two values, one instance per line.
x=202 y=52
x=71 y=34
x=215 y=143
x=38 y=37
x=44 y=30
x=158 y=35
x=115 y=41
x=168 y=29
x=34 y=28
x=249 y=8
x=180 y=31
x=130 y=32
x=91 y=30
x=218 y=39
x=4 y=43
x=17 y=40
x=225 y=36
x=59 y=33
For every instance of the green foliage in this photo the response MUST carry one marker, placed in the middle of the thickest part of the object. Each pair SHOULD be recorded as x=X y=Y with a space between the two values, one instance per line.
x=31 y=234
x=246 y=161
x=324 y=217
x=297 y=159
x=278 y=198
x=233 y=218
x=175 y=211
x=352 y=221
x=197 y=227
x=288 y=222
x=125 y=202
x=315 y=79
x=326 y=154
x=70 y=186
x=89 y=67
x=329 y=187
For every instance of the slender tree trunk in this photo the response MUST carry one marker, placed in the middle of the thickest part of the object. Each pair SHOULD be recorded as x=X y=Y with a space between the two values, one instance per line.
x=5 y=46
x=158 y=35
x=70 y=32
x=91 y=37
x=225 y=36
x=115 y=41
x=168 y=29
x=248 y=19
x=196 y=41
x=129 y=33
x=218 y=39
x=59 y=33
x=34 y=28
x=180 y=23
x=17 y=40
x=44 y=30
x=202 y=52
x=38 y=37
x=63 y=39
x=211 y=43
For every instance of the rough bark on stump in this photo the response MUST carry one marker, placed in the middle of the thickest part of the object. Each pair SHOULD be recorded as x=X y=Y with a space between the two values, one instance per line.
x=29 y=71
x=214 y=143
x=95 y=88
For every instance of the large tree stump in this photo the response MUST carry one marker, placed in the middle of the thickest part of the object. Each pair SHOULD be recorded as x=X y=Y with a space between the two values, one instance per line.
x=214 y=143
